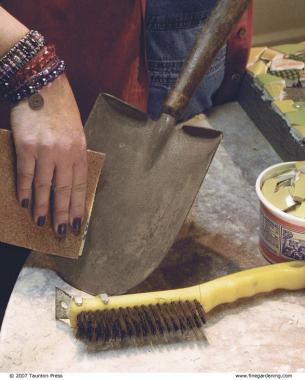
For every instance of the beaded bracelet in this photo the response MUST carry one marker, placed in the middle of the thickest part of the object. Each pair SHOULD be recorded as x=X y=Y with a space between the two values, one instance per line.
x=27 y=67
x=54 y=63
x=20 y=54
x=36 y=83
x=38 y=63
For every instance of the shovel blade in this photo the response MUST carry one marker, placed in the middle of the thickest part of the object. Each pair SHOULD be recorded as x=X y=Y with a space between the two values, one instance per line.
x=138 y=211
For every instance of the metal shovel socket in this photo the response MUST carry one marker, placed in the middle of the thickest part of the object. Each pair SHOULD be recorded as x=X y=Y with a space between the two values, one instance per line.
x=209 y=41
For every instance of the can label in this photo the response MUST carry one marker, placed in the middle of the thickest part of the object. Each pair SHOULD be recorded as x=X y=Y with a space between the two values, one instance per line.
x=293 y=244
x=270 y=234
x=281 y=240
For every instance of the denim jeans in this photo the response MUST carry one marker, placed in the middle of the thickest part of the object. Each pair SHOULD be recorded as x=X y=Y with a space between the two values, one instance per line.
x=171 y=27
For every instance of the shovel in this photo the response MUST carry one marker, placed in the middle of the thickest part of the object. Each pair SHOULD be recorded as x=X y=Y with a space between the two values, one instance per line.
x=152 y=174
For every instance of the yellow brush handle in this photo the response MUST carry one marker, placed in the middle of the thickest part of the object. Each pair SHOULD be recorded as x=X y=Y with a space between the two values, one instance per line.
x=290 y=276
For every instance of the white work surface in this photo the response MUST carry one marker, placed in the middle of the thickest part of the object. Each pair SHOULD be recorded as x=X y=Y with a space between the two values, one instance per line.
x=265 y=333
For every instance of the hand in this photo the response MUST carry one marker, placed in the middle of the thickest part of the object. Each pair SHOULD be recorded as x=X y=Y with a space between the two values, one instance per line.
x=51 y=151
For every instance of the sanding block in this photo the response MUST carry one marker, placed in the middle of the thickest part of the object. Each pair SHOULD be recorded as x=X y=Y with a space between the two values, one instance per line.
x=16 y=223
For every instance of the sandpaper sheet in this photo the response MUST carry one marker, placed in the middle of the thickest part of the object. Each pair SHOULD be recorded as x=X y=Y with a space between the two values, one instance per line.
x=16 y=224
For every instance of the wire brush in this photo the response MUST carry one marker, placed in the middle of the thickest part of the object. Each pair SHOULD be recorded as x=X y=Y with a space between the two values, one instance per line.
x=111 y=320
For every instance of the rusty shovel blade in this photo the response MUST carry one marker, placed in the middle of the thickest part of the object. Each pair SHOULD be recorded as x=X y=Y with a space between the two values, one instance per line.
x=152 y=174
x=138 y=209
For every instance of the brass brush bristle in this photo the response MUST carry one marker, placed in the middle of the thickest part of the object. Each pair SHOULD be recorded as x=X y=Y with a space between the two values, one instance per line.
x=158 y=320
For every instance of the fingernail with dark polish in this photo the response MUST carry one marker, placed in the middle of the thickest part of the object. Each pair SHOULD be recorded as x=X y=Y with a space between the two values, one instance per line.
x=62 y=229
x=41 y=221
x=25 y=203
x=76 y=224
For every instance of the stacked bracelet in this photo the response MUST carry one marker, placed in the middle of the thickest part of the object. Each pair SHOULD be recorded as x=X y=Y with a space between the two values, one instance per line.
x=27 y=67
x=36 y=82
x=20 y=54
x=46 y=55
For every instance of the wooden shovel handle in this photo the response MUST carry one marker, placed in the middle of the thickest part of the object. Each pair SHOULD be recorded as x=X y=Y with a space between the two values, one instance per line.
x=208 y=42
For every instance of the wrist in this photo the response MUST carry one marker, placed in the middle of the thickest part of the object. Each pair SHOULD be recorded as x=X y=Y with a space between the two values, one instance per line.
x=28 y=66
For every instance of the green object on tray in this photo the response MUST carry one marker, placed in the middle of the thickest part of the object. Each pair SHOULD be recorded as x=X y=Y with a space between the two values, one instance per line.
x=258 y=68
x=285 y=106
x=290 y=48
x=265 y=79
x=296 y=117
x=275 y=90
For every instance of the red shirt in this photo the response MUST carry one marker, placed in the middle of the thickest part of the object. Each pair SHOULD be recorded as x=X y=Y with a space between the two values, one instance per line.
x=102 y=46
x=98 y=39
